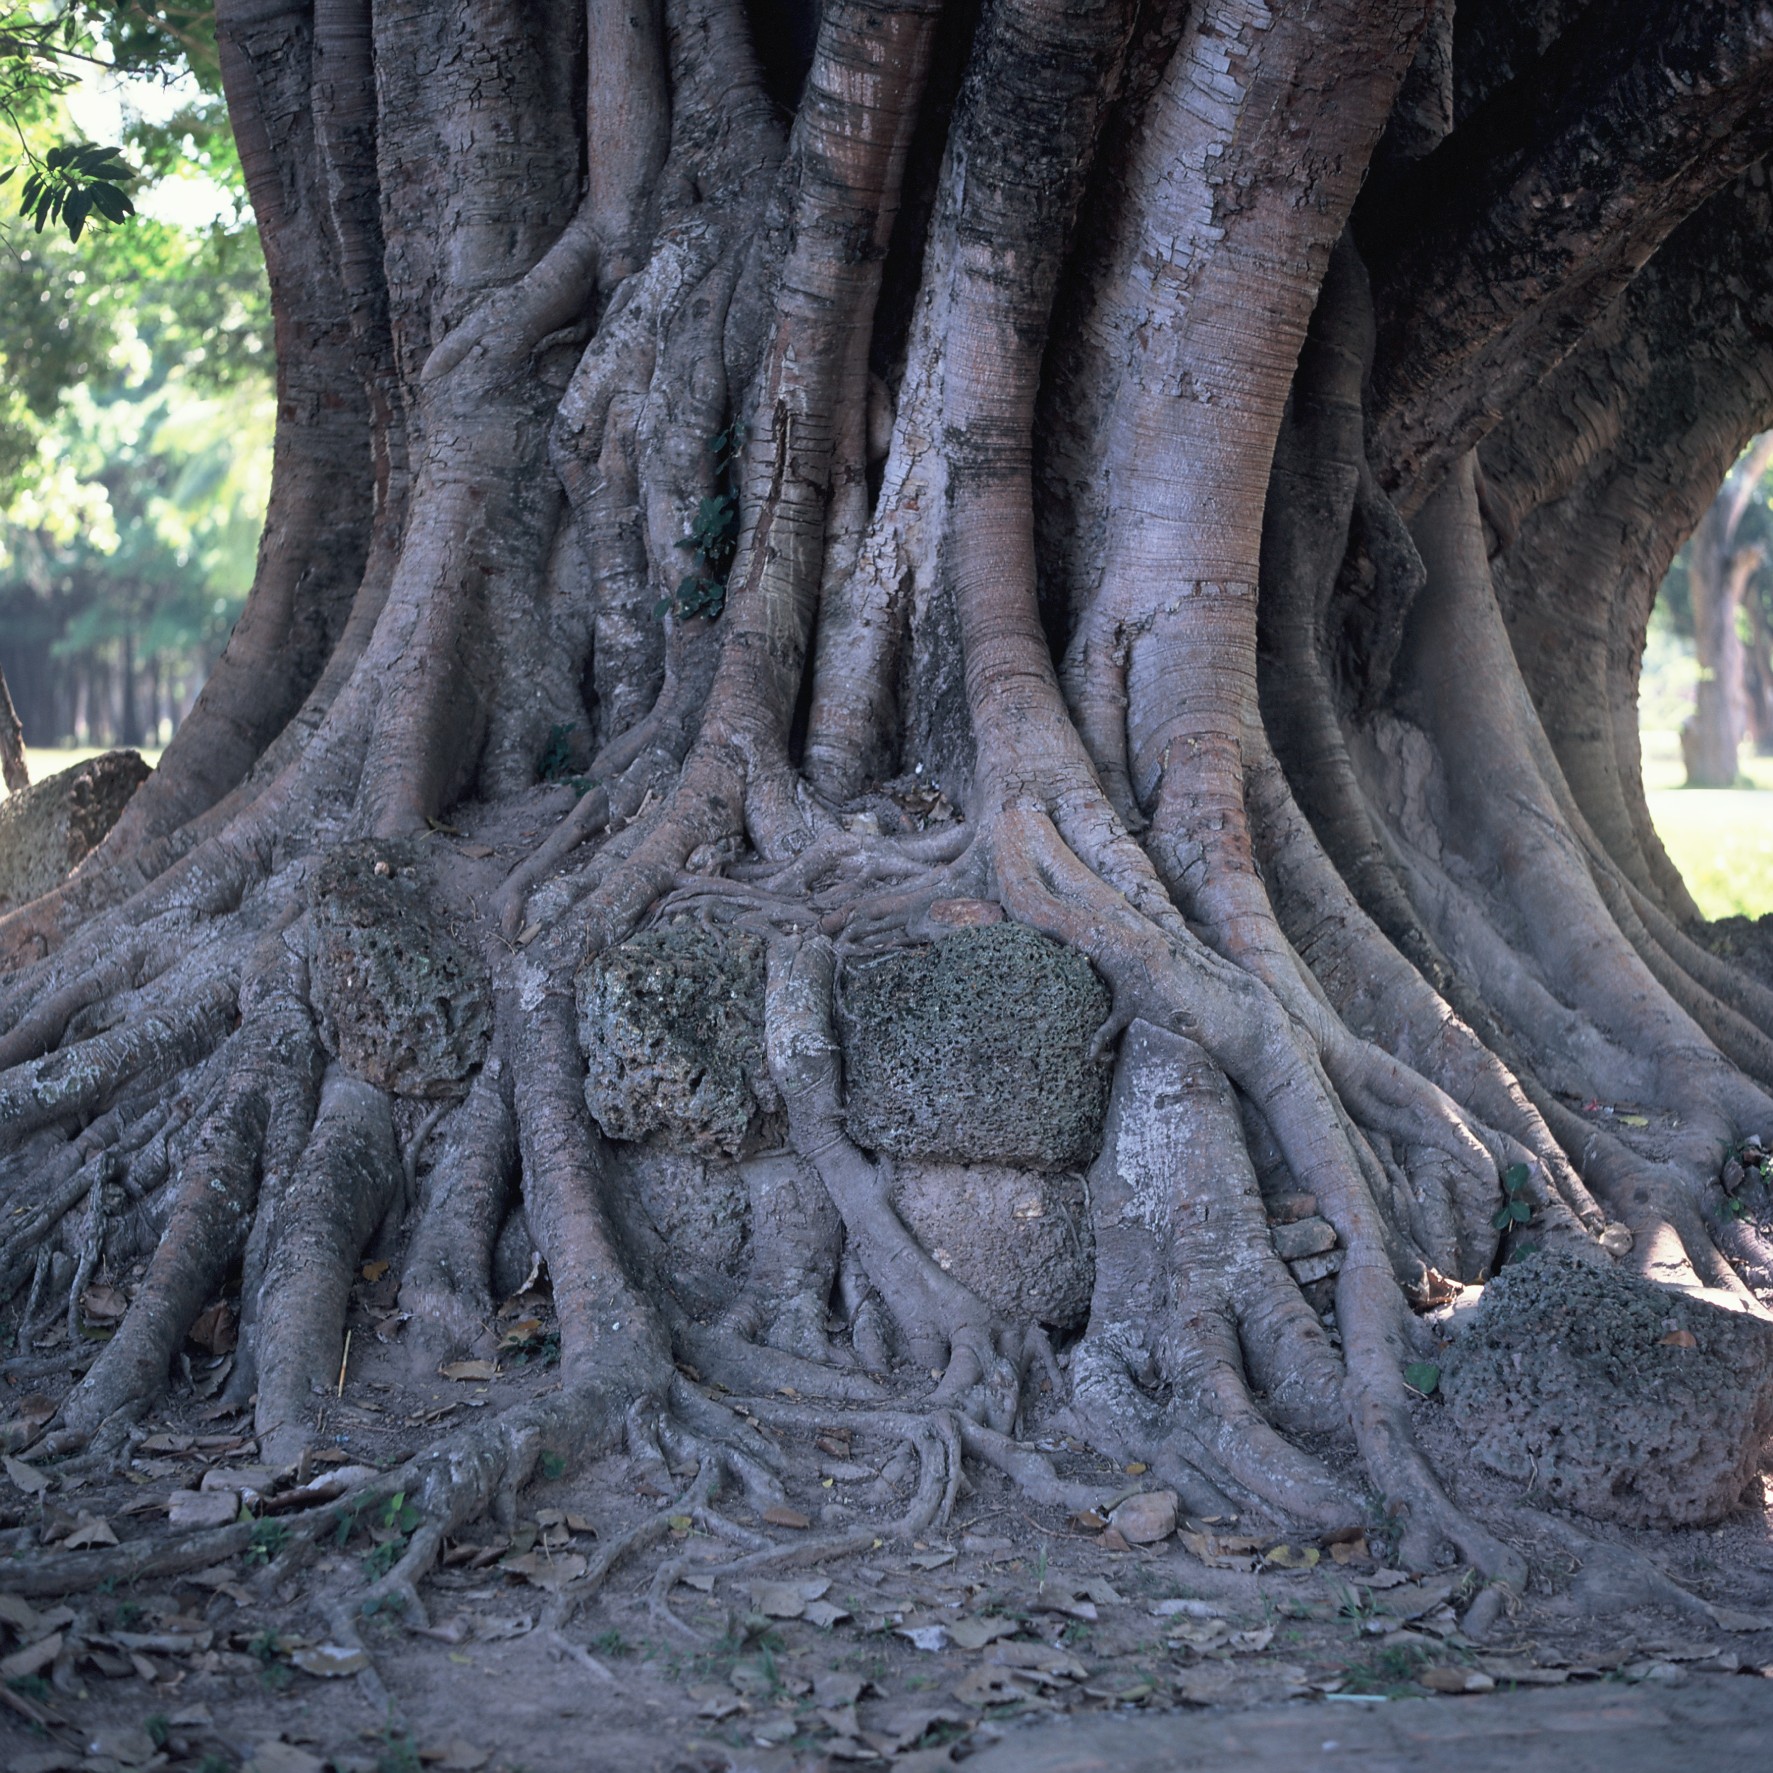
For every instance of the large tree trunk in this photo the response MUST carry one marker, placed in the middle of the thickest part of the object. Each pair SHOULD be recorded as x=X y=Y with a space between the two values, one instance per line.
x=836 y=638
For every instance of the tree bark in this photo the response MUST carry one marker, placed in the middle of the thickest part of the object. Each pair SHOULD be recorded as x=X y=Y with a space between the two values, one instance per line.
x=1163 y=501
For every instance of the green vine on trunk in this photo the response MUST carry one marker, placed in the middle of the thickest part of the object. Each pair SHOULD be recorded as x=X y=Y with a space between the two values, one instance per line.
x=713 y=537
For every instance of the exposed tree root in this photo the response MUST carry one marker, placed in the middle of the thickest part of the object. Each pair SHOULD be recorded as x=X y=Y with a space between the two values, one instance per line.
x=1395 y=969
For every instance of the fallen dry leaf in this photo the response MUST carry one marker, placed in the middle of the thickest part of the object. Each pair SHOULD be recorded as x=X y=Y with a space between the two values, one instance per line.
x=102 y=1304
x=1292 y=1557
x=1146 y=1518
x=1456 y=1680
x=779 y=1515
x=467 y=1371
x=282 y=1757
x=373 y=1271
x=331 y=1661
x=27 y=1477
x=545 y=1571
x=89 y=1530
x=215 y=1329
x=924 y=1637
x=32 y=1658
x=976 y=1633
x=1679 y=1339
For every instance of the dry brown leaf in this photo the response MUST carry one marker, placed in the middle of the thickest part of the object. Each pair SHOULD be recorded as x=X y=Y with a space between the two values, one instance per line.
x=215 y=1329
x=456 y=1755
x=32 y=1658
x=779 y=1600
x=1292 y=1557
x=1456 y=1680
x=469 y=1371
x=780 y=1515
x=1679 y=1339
x=89 y=1530
x=976 y=1633
x=373 y=1271
x=545 y=1571
x=27 y=1477
x=331 y=1662
x=102 y=1304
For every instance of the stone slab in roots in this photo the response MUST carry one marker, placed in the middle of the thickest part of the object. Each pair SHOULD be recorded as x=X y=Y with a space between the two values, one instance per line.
x=402 y=1001
x=1623 y=1400
x=49 y=828
x=977 y=1049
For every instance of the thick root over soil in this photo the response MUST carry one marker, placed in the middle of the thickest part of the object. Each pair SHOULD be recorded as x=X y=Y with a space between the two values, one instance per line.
x=531 y=959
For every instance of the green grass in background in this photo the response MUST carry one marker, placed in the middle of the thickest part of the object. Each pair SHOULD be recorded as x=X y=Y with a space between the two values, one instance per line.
x=1721 y=839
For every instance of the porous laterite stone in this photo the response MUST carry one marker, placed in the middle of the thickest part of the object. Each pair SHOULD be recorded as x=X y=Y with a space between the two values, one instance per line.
x=1608 y=1394
x=48 y=829
x=977 y=1050
x=402 y=1002
x=671 y=1022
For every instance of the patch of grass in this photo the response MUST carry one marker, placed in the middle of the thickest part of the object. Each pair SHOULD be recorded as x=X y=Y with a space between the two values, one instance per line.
x=1721 y=839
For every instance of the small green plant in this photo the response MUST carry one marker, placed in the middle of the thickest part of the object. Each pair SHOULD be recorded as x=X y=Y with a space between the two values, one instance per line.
x=268 y=1539
x=394 y=1523
x=553 y=1466
x=543 y=1352
x=266 y=1647
x=1516 y=1208
x=1422 y=1376
x=127 y=1616
x=159 y=1729
x=713 y=536
x=611 y=1643
x=557 y=760
x=399 y=1753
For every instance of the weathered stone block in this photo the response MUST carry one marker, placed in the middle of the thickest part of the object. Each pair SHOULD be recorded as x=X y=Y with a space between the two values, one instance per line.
x=52 y=826
x=1299 y=1238
x=403 y=1003
x=1020 y=1239
x=671 y=1022
x=977 y=1050
x=1627 y=1401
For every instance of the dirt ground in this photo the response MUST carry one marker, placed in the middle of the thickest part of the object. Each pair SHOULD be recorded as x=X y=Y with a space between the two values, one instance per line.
x=970 y=1645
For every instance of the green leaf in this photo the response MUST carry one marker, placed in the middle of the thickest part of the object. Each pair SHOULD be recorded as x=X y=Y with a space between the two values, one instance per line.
x=4 y=176
x=114 y=205
x=1422 y=1376
x=1501 y=1217
x=1516 y=1177
x=1520 y=1211
x=79 y=205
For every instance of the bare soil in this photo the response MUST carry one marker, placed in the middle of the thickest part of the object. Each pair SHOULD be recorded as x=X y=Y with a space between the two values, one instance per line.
x=910 y=1655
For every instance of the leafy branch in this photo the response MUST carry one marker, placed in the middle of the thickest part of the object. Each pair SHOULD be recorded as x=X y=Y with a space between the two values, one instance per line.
x=73 y=183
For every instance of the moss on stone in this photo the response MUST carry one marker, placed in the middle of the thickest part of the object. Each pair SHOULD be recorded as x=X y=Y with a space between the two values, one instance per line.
x=1578 y=1382
x=977 y=1050
x=671 y=1022
x=402 y=1003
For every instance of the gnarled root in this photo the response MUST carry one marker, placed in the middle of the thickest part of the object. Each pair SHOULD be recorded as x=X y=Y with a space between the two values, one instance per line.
x=1189 y=1290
